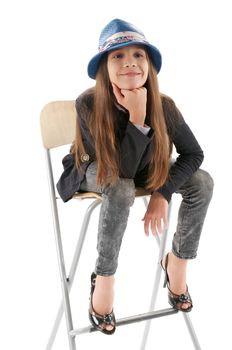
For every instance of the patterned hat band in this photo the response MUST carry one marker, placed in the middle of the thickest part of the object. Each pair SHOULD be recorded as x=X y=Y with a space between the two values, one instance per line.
x=122 y=37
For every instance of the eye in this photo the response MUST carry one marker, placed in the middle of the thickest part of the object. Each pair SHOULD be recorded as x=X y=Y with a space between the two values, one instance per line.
x=117 y=55
x=139 y=54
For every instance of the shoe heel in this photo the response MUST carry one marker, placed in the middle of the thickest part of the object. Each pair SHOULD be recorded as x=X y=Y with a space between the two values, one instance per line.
x=165 y=280
x=165 y=276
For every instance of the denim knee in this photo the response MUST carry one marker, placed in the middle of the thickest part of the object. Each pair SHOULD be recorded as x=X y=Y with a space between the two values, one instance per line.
x=196 y=195
x=122 y=193
x=203 y=182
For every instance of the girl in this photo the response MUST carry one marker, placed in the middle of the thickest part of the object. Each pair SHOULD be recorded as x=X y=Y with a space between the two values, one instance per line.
x=125 y=132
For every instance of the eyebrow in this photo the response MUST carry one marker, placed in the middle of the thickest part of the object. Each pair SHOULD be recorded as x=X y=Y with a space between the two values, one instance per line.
x=121 y=50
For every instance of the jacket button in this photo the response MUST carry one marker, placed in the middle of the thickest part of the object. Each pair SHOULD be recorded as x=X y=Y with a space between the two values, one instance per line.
x=84 y=157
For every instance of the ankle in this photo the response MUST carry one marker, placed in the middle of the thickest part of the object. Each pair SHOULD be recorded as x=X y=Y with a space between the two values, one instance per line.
x=103 y=295
x=177 y=270
x=175 y=263
x=105 y=281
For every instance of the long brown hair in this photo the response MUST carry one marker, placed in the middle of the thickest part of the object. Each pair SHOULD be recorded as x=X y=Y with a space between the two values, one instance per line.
x=160 y=159
x=102 y=129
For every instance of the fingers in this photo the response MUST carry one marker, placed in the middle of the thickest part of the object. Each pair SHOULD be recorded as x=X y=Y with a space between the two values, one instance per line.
x=165 y=223
x=149 y=223
x=117 y=93
x=146 y=225
x=156 y=226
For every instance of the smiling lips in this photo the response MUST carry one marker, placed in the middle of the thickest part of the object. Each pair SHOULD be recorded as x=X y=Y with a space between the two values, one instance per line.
x=130 y=74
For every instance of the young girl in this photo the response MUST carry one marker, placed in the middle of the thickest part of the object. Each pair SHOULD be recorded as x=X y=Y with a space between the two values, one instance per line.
x=125 y=132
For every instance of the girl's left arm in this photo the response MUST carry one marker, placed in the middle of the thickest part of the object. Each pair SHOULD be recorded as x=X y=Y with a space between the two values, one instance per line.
x=189 y=160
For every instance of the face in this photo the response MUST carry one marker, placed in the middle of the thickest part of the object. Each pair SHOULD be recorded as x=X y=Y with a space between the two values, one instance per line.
x=128 y=67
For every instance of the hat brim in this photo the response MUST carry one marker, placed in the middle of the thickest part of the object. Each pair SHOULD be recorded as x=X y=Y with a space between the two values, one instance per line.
x=154 y=54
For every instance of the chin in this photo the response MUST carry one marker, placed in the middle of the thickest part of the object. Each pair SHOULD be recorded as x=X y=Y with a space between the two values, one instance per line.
x=130 y=86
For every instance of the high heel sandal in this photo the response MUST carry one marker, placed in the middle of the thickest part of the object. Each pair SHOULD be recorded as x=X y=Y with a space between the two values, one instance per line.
x=175 y=300
x=99 y=322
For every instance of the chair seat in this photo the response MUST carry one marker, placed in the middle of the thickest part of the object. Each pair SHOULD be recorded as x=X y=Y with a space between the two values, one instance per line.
x=84 y=195
x=139 y=192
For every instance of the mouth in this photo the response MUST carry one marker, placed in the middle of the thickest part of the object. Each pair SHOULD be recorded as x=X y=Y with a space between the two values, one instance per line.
x=131 y=74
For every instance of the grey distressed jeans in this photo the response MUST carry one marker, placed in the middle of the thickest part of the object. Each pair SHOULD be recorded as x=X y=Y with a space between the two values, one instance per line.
x=117 y=200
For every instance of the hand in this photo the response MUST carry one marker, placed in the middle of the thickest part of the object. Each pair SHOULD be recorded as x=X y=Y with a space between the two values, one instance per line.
x=134 y=101
x=156 y=216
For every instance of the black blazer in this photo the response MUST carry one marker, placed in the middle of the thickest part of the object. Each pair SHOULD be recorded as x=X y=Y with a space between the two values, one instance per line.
x=134 y=149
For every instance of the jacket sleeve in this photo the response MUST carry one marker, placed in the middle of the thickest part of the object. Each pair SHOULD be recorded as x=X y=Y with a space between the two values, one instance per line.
x=133 y=148
x=71 y=178
x=189 y=159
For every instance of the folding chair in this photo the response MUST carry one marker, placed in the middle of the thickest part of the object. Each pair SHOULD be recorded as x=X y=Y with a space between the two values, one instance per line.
x=58 y=120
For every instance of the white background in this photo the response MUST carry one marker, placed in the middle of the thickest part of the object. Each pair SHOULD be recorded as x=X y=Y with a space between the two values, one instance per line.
x=45 y=48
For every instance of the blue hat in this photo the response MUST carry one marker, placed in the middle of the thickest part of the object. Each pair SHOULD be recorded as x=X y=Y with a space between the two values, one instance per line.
x=119 y=33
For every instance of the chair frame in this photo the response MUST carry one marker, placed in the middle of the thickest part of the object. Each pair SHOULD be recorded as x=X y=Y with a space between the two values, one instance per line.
x=58 y=120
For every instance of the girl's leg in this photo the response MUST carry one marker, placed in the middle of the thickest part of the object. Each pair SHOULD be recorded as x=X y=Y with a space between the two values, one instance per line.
x=114 y=213
x=116 y=202
x=196 y=193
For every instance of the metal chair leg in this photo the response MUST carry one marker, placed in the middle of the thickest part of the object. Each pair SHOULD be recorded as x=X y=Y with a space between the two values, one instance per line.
x=162 y=244
x=155 y=287
x=73 y=268
x=60 y=255
x=191 y=331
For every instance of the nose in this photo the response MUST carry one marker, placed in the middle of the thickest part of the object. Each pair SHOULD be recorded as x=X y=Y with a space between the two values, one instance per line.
x=129 y=64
